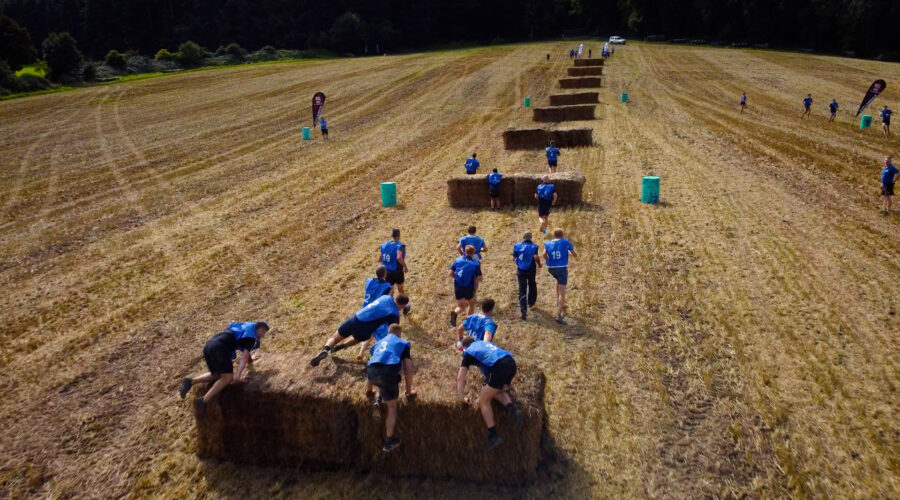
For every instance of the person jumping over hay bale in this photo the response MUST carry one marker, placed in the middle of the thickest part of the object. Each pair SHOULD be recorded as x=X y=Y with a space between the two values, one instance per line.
x=556 y=256
x=389 y=356
x=472 y=165
x=466 y=274
x=498 y=368
x=219 y=354
x=888 y=176
x=474 y=240
x=375 y=287
x=494 y=180
x=546 y=198
x=392 y=255
x=833 y=107
x=479 y=326
x=552 y=156
x=525 y=254
x=807 y=104
x=324 y=126
x=384 y=310
x=886 y=120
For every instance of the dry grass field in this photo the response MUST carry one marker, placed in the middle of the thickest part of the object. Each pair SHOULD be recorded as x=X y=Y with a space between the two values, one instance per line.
x=740 y=339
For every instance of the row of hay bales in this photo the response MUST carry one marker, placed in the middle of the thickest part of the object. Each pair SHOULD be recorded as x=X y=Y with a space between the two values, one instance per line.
x=586 y=71
x=576 y=98
x=564 y=113
x=539 y=138
x=580 y=83
x=588 y=62
x=471 y=191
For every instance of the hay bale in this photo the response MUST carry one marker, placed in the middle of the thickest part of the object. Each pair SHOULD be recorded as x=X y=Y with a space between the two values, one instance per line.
x=318 y=418
x=471 y=191
x=586 y=71
x=588 y=62
x=569 y=188
x=564 y=113
x=572 y=99
x=539 y=138
x=579 y=83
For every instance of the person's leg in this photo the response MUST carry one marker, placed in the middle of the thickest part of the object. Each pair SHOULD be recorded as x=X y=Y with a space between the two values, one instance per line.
x=390 y=423
x=543 y=223
x=484 y=404
x=400 y=288
x=561 y=300
x=532 y=288
x=523 y=293
x=362 y=348
x=334 y=339
x=888 y=200
x=222 y=382
x=471 y=306
x=503 y=398
x=202 y=379
x=329 y=346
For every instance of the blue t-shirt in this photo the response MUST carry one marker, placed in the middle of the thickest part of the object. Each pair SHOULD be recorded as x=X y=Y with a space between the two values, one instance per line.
x=375 y=287
x=743 y=99
x=474 y=240
x=545 y=191
x=833 y=106
x=524 y=252
x=389 y=251
x=477 y=324
x=379 y=308
x=552 y=153
x=887 y=175
x=886 y=114
x=465 y=270
x=558 y=252
x=472 y=165
x=323 y=123
x=494 y=179
x=242 y=331
x=389 y=350
x=807 y=102
x=484 y=354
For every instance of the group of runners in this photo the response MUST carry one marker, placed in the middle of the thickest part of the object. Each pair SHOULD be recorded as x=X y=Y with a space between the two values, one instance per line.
x=832 y=108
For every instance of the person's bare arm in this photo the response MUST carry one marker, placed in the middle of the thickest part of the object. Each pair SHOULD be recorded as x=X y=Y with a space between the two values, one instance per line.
x=408 y=375
x=538 y=260
x=572 y=251
x=488 y=336
x=459 y=248
x=461 y=384
x=378 y=258
x=242 y=365
x=554 y=197
x=477 y=281
x=459 y=331
x=401 y=260
x=544 y=255
x=484 y=248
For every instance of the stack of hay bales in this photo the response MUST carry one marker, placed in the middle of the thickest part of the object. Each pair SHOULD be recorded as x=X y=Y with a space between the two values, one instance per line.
x=586 y=71
x=564 y=113
x=579 y=83
x=572 y=99
x=310 y=418
x=588 y=62
x=539 y=138
x=472 y=191
x=518 y=190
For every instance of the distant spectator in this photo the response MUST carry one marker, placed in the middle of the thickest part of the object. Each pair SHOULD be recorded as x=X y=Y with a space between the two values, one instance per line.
x=807 y=104
x=472 y=165
x=743 y=102
x=324 y=125
x=886 y=120
x=833 y=107
x=888 y=176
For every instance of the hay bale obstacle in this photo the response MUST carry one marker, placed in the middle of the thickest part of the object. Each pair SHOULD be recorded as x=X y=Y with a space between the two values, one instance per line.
x=564 y=113
x=472 y=191
x=319 y=419
x=579 y=83
x=519 y=189
x=539 y=138
x=572 y=99
x=586 y=71
x=588 y=62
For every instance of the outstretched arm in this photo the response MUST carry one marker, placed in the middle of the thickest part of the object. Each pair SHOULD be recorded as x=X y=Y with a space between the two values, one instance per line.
x=459 y=248
x=408 y=375
x=459 y=331
x=242 y=365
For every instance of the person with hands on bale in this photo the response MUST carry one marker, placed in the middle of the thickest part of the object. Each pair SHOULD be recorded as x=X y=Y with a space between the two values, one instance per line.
x=472 y=165
x=466 y=274
x=375 y=287
x=498 y=368
x=546 y=197
x=384 y=310
x=389 y=356
x=494 y=183
x=219 y=354
x=479 y=326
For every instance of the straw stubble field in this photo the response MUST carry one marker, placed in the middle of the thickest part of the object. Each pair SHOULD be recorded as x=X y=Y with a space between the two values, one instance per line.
x=740 y=338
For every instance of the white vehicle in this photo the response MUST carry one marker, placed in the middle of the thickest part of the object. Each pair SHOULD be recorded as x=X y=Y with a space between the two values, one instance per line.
x=616 y=40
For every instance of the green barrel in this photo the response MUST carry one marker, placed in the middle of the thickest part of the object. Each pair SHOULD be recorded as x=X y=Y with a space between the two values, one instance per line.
x=305 y=134
x=527 y=102
x=624 y=97
x=865 y=122
x=650 y=190
x=388 y=194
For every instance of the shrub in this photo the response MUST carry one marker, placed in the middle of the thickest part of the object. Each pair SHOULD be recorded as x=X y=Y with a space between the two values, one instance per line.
x=89 y=73
x=164 y=55
x=190 y=54
x=62 y=56
x=235 y=52
x=15 y=44
x=115 y=59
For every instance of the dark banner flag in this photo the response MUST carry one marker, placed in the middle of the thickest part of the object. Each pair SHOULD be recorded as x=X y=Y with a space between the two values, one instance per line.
x=876 y=88
x=318 y=104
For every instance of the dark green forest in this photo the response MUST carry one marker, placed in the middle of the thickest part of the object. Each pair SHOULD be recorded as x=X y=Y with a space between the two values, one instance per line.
x=866 y=27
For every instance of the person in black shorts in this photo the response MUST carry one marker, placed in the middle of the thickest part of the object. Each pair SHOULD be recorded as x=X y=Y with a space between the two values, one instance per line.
x=392 y=255
x=219 y=353
x=389 y=356
x=385 y=310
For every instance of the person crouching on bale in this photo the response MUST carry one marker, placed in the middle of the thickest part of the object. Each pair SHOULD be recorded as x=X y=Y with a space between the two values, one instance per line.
x=381 y=312
x=389 y=356
x=219 y=353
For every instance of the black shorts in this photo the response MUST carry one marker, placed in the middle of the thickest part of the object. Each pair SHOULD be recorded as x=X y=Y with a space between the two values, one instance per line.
x=544 y=207
x=551 y=163
x=463 y=292
x=396 y=277
x=218 y=357
x=495 y=191
x=887 y=122
x=386 y=378
x=359 y=330
x=887 y=189
x=324 y=131
x=501 y=374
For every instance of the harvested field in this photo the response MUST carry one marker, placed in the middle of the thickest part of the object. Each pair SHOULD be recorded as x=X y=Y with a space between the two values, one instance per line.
x=738 y=340
x=585 y=71
x=579 y=83
x=564 y=113
x=517 y=190
x=588 y=62
x=539 y=138
x=575 y=98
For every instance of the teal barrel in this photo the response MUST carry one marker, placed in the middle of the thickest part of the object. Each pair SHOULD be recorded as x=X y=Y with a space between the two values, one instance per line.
x=527 y=102
x=650 y=190
x=624 y=97
x=305 y=134
x=865 y=122
x=388 y=194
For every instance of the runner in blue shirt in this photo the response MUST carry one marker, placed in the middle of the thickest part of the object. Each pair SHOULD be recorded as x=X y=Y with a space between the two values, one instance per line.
x=552 y=156
x=556 y=256
x=474 y=240
x=494 y=182
x=888 y=176
x=886 y=120
x=480 y=326
x=525 y=254
x=392 y=255
x=324 y=125
x=807 y=104
x=833 y=107
x=743 y=102
x=499 y=369
x=219 y=354
x=384 y=310
x=472 y=165
x=375 y=287
x=466 y=274
x=546 y=197
x=389 y=356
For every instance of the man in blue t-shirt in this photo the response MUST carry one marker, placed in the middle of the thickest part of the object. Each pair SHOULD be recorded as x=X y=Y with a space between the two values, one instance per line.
x=888 y=176
x=479 y=326
x=499 y=369
x=546 y=198
x=466 y=274
x=472 y=165
x=494 y=182
x=392 y=255
x=556 y=256
x=886 y=120
x=807 y=104
x=525 y=255
x=743 y=102
x=219 y=354
x=552 y=156
x=833 y=107
x=389 y=356
x=384 y=310
x=324 y=125
x=472 y=239
x=375 y=288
